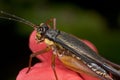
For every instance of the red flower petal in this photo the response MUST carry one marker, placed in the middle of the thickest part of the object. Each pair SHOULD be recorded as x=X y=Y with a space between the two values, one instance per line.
x=43 y=71
x=88 y=43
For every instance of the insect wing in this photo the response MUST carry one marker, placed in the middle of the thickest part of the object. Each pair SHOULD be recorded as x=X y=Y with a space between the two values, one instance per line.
x=76 y=46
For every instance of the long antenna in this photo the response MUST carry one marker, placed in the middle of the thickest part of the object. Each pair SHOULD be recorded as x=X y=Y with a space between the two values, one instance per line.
x=16 y=18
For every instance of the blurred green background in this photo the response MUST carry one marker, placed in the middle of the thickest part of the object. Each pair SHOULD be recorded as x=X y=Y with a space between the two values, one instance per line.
x=98 y=22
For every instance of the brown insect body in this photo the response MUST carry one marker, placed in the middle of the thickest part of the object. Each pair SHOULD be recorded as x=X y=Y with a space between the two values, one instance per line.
x=75 y=62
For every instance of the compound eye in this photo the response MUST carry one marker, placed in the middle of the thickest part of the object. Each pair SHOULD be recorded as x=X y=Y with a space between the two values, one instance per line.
x=39 y=30
x=42 y=29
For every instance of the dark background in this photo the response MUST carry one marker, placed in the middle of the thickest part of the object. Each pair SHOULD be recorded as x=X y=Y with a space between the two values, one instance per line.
x=97 y=21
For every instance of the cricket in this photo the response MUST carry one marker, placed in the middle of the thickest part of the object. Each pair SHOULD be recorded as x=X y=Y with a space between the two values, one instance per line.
x=70 y=50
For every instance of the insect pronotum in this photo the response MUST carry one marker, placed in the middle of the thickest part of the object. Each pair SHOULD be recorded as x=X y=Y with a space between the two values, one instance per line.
x=70 y=50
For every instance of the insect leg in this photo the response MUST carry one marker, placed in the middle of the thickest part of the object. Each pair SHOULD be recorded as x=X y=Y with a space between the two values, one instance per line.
x=53 y=65
x=55 y=52
x=54 y=23
x=53 y=20
x=35 y=54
